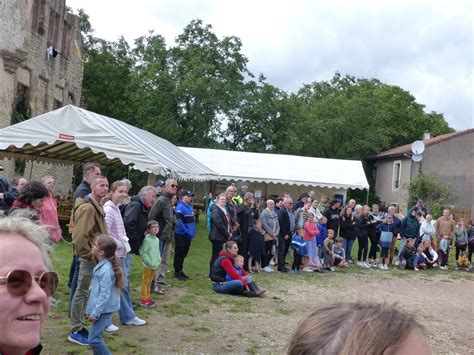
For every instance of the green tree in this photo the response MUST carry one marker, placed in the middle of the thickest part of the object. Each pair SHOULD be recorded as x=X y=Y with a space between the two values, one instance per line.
x=435 y=194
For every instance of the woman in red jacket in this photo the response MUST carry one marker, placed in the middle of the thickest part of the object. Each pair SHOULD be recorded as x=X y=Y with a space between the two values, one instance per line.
x=241 y=284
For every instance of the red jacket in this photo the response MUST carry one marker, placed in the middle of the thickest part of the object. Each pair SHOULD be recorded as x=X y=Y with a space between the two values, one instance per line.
x=310 y=231
x=227 y=265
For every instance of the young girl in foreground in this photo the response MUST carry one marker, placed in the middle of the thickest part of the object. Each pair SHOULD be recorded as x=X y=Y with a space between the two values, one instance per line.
x=104 y=297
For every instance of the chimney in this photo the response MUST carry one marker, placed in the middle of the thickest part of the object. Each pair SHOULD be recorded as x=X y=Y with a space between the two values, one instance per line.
x=426 y=135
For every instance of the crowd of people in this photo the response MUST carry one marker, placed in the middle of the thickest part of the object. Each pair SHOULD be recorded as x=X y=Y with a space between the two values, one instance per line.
x=322 y=233
x=108 y=227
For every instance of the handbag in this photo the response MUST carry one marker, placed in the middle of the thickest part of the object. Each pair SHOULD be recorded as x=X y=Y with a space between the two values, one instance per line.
x=461 y=244
x=386 y=239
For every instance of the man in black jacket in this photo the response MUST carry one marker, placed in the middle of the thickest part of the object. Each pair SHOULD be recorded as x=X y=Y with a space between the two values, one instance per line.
x=135 y=217
x=333 y=214
x=284 y=237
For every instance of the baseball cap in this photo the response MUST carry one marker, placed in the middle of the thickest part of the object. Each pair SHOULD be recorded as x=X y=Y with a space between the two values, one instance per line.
x=159 y=183
x=186 y=193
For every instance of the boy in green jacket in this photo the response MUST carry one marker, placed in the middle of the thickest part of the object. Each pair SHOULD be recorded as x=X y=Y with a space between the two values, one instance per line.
x=150 y=254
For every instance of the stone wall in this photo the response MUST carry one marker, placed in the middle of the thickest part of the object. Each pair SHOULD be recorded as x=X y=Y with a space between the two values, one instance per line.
x=25 y=68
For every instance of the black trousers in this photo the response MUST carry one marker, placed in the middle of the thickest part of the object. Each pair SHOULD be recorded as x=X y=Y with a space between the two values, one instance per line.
x=216 y=249
x=283 y=246
x=297 y=259
x=362 y=251
x=374 y=241
x=181 y=249
x=268 y=253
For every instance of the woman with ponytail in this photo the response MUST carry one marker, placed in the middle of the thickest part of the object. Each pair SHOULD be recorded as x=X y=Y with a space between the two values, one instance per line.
x=118 y=193
x=104 y=297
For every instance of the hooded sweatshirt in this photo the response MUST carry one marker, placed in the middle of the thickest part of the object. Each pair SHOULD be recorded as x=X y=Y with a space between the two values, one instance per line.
x=411 y=226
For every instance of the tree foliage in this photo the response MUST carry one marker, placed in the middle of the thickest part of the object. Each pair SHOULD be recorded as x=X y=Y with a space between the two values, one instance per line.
x=199 y=92
x=434 y=193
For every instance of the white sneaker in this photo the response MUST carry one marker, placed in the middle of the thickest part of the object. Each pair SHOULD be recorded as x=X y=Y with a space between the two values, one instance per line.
x=359 y=263
x=385 y=267
x=416 y=269
x=367 y=265
x=112 y=328
x=350 y=262
x=267 y=269
x=333 y=268
x=381 y=267
x=397 y=262
x=136 y=321
x=307 y=269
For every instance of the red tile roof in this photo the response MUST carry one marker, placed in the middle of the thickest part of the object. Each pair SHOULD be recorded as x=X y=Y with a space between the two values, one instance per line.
x=406 y=149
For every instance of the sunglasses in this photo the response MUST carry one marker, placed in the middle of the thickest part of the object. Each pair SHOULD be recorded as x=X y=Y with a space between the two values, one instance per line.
x=174 y=186
x=19 y=282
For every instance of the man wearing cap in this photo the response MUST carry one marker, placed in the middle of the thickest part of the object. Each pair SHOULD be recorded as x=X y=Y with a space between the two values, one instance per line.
x=184 y=233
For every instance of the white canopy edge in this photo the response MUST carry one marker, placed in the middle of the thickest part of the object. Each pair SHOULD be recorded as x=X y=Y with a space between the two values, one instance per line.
x=282 y=169
x=72 y=134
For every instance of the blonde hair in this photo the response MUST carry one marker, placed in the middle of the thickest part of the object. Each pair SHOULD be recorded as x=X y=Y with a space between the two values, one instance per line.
x=352 y=328
x=18 y=224
x=239 y=257
x=113 y=188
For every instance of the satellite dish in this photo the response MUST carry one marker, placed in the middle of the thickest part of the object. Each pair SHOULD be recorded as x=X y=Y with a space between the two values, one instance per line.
x=417 y=157
x=418 y=147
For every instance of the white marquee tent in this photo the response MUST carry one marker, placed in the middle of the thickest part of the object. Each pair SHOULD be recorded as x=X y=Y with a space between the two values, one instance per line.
x=282 y=169
x=74 y=135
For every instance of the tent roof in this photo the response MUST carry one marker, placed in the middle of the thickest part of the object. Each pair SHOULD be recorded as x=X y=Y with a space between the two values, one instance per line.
x=74 y=135
x=282 y=169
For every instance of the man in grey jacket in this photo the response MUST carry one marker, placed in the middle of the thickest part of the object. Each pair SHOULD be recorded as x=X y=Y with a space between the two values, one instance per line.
x=162 y=211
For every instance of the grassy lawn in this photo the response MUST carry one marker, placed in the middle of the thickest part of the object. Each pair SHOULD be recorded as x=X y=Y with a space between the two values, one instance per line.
x=186 y=302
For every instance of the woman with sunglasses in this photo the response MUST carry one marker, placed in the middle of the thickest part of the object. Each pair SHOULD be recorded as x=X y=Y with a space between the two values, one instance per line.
x=26 y=285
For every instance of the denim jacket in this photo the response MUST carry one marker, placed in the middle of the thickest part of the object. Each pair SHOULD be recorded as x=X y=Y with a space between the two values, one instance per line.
x=104 y=296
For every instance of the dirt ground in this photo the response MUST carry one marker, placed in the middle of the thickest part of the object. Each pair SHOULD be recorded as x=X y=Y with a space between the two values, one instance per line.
x=443 y=303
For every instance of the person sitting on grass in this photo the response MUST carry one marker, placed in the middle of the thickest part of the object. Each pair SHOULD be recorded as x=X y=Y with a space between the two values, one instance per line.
x=224 y=265
x=463 y=261
x=150 y=255
x=407 y=255
x=420 y=258
x=431 y=255
x=238 y=266
x=339 y=253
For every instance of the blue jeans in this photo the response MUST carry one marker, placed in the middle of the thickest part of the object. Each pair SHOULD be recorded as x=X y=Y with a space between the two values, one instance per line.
x=74 y=280
x=403 y=242
x=96 y=341
x=126 y=312
x=234 y=287
x=347 y=245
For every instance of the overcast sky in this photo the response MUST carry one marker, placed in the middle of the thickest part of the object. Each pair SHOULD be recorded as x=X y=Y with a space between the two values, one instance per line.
x=425 y=47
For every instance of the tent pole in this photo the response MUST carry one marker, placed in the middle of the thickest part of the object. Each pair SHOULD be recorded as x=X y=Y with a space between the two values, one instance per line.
x=31 y=170
x=367 y=200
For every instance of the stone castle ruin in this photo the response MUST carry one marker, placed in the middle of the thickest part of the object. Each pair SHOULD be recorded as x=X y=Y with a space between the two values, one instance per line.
x=41 y=70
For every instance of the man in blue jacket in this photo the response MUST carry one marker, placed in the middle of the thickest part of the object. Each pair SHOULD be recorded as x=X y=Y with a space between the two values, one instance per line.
x=184 y=233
